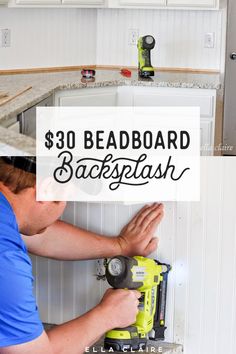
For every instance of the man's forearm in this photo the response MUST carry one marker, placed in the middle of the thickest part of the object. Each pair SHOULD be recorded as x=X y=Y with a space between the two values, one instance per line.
x=74 y=336
x=67 y=242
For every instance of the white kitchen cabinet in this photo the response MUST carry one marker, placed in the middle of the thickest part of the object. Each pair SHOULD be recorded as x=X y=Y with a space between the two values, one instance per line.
x=183 y=4
x=149 y=97
x=38 y=2
x=59 y=3
x=138 y=3
x=123 y=4
x=85 y=3
x=161 y=96
x=194 y=3
x=106 y=96
x=206 y=136
x=181 y=97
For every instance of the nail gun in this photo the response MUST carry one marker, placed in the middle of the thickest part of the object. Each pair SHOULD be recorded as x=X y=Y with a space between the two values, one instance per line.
x=145 y=45
x=150 y=278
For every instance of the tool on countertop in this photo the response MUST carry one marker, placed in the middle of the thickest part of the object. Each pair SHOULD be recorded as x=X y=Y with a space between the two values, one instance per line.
x=126 y=72
x=145 y=45
x=86 y=81
x=88 y=73
x=6 y=98
x=150 y=277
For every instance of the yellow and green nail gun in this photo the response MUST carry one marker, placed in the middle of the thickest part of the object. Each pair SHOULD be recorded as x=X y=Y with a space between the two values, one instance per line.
x=145 y=45
x=150 y=278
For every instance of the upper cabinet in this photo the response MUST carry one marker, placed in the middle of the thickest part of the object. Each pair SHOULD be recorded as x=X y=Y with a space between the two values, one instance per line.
x=38 y=2
x=75 y=3
x=185 y=4
x=84 y=3
x=121 y=4
x=194 y=3
x=137 y=3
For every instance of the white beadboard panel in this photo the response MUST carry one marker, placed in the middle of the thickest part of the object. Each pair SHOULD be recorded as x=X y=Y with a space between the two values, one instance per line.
x=179 y=37
x=45 y=37
x=198 y=239
x=48 y=37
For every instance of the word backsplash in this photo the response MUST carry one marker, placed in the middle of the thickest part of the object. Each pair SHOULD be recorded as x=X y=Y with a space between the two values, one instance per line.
x=123 y=154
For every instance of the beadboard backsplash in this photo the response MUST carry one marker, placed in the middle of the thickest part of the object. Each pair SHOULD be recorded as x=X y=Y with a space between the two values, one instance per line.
x=67 y=37
x=198 y=239
x=179 y=37
x=48 y=37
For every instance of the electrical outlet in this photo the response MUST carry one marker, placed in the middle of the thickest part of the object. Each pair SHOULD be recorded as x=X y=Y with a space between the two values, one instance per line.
x=133 y=36
x=6 y=37
x=209 y=41
x=100 y=268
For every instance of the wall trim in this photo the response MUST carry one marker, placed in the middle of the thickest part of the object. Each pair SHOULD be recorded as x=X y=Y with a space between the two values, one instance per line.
x=100 y=67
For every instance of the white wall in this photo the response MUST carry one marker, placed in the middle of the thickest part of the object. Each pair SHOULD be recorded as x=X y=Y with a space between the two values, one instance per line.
x=179 y=36
x=199 y=241
x=48 y=37
x=64 y=37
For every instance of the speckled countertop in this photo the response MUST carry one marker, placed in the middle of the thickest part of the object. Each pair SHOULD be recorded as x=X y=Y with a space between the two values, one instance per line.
x=44 y=84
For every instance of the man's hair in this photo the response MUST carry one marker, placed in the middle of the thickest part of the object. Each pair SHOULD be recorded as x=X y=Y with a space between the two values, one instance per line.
x=14 y=178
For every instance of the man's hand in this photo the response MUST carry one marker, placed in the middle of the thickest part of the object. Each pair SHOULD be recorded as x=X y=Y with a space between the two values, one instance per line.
x=119 y=308
x=137 y=237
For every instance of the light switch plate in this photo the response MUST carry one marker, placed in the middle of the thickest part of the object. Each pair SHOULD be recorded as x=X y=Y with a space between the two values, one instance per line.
x=6 y=37
x=209 y=41
x=133 y=36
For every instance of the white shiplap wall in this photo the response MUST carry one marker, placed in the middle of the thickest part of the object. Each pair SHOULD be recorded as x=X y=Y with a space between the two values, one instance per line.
x=45 y=37
x=179 y=37
x=199 y=241
x=48 y=37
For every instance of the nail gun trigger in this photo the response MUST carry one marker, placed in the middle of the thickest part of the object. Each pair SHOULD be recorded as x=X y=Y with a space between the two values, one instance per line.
x=141 y=302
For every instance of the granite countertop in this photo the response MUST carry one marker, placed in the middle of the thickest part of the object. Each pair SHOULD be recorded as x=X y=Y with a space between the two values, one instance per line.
x=45 y=84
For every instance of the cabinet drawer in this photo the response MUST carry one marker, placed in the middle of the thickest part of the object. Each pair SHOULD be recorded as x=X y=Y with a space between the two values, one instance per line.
x=180 y=99
x=87 y=97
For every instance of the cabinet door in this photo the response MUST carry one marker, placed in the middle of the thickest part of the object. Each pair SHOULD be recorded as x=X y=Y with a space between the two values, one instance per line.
x=193 y=3
x=206 y=137
x=87 y=97
x=138 y=3
x=205 y=99
x=85 y=3
x=38 y=2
